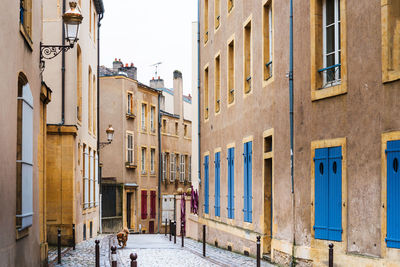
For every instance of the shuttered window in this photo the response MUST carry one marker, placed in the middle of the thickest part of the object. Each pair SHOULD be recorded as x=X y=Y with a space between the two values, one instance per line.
x=129 y=147
x=96 y=179
x=144 y=204
x=152 y=204
x=86 y=179
x=248 y=195
x=217 y=184
x=182 y=169
x=206 y=185
x=393 y=194
x=24 y=210
x=91 y=178
x=231 y=183
x=328 y=193
x=172 y=167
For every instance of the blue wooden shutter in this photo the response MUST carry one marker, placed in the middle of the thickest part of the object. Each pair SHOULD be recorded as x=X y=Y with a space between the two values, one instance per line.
x=217 y=184
x=231 y=183
x=393 y=194
x=245 y=198
x=321 y=193
x=335 y=194
x=206 y=194
x=249 y=181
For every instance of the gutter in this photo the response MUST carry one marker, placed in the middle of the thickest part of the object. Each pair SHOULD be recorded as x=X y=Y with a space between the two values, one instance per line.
x=159 y=162
x=63 y=69
x=293 y=260
x=198 y=89
x=99 y=170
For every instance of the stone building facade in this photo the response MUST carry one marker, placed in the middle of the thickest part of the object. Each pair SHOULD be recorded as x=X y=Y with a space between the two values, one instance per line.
x=130 y=176
x=24 y=97
x=72 y=193
x=346 y=135
x=176 y=140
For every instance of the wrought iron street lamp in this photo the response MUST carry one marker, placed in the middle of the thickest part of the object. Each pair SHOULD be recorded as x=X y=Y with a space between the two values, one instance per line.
x=110 y=137
x=72 y=20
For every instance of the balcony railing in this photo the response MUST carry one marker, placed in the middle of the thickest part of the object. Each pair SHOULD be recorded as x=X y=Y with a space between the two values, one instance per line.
x=331 y=75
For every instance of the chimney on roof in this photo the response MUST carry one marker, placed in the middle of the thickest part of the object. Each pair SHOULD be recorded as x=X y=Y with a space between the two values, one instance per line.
x=117 y=64
x=178 y=93
x=157 y=83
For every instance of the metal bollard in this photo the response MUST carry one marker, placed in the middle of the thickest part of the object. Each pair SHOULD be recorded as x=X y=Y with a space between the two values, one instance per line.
x=170 y=230
x=113 y=256
x=330 y=255
x=133 y=259
x=166 y=226
x=97 y=250
x=183 y=233
x=59 y=245
x=73 y=236
x=174 y=232
x=258 y=251
x=204 y=240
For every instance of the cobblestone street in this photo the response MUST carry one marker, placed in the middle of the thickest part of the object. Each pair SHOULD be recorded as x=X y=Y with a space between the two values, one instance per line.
x=152 y=250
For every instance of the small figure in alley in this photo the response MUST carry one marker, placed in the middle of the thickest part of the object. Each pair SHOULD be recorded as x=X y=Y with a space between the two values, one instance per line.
x=123 y=237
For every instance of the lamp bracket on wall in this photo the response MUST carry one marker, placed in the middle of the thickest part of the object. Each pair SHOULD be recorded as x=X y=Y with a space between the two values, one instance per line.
x=51 y=51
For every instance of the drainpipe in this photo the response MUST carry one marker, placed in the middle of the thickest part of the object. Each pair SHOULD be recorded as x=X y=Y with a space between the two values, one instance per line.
x=159 y=163
x=63 y=70
x=98 y=118
x=198 y=89
x=293 y=261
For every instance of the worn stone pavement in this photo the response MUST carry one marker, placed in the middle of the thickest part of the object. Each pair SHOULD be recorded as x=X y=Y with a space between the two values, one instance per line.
x=152 y=250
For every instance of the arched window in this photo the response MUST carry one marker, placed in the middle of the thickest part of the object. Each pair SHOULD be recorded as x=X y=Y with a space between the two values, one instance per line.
x=24 y=210
x=79 y=84
x=90 y=100
x=94 y=105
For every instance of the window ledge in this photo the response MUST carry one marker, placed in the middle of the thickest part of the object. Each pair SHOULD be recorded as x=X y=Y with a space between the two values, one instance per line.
x=130 y=165
x=27 y=39
x=391 y=76
x=339 y=89
x=130 y=116
x=19 y=234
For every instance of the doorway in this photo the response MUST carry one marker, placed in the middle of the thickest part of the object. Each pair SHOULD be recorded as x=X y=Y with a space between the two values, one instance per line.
x=129 y=210
x=267 y=196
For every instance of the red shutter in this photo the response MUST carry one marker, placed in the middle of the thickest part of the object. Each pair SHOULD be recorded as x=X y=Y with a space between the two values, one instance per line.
x=152 y=204
x=144 y=204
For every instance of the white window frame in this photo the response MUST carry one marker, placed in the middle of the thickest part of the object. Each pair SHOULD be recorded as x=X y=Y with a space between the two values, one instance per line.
x=172 y=168
x=270 y=36
x=337 y=49
x=152 y=113
x=86 y=179
x=96 y=177
x=129 y=148
x=143 y=117
x=26 y=161
x=91 y=178
x=182 y=169
x=130 y=104
x=152 y=159
x=190 y=169
x=164 y=166
x=143 y=162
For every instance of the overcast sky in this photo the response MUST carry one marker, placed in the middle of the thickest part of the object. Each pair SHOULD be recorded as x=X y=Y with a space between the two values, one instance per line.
x=149 y=31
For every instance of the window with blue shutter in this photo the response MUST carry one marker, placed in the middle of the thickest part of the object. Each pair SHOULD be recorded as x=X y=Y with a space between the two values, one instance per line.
x=247 y=210
x=231 y=183
x=328 y=193
x=393 y=194
x=217 y=184
x=206 y=193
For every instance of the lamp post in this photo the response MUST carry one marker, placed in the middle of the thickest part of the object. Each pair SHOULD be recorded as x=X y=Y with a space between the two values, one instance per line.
x=72 y=19
x=110 y=137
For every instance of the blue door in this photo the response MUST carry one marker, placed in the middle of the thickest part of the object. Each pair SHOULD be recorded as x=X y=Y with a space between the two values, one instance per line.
x=393 y=194
x=206 y=180
x=217 y=184
x=328 y=193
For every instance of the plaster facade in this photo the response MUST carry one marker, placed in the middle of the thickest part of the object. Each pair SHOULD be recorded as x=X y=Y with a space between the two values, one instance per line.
x=72 y=126
x=355 y=114
x=123 y=179
x=20 y=48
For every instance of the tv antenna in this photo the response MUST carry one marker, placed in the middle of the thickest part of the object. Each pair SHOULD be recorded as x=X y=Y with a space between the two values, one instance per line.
x=156 y=65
